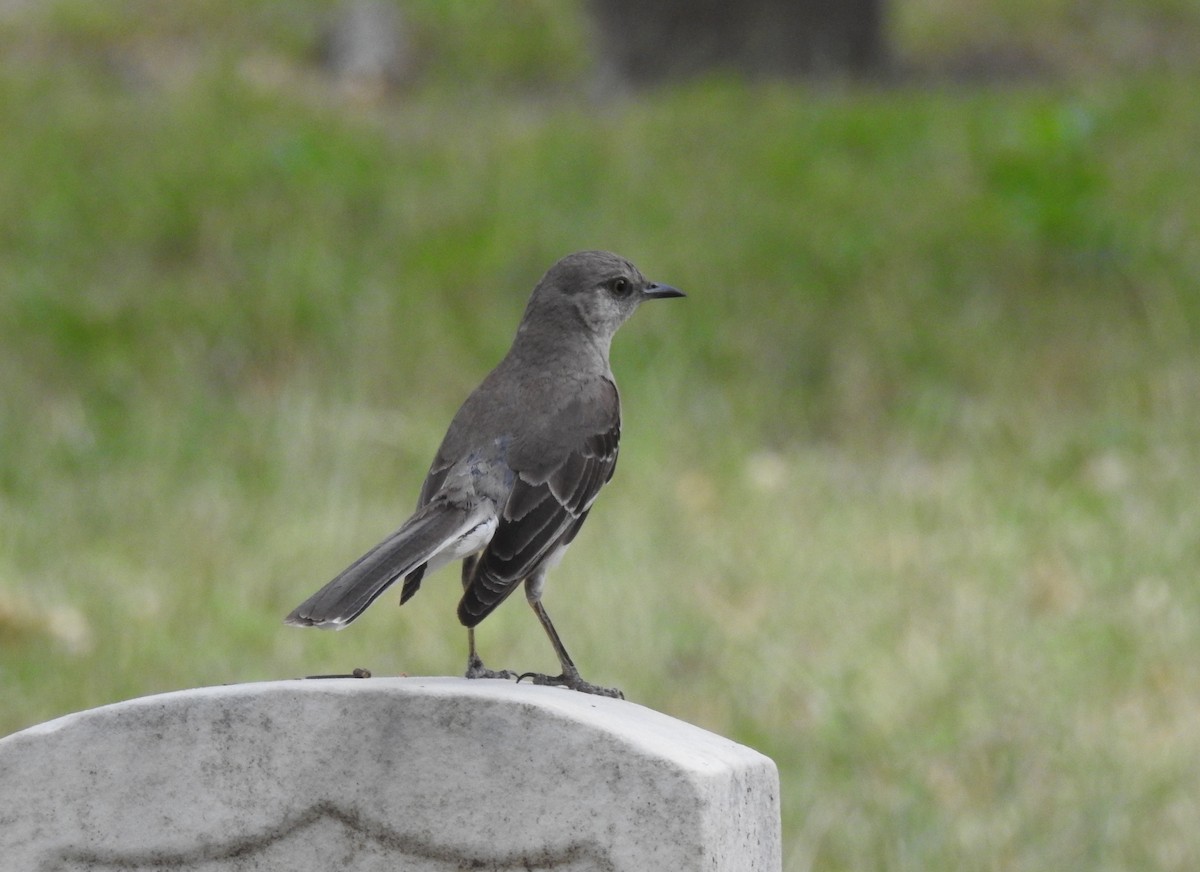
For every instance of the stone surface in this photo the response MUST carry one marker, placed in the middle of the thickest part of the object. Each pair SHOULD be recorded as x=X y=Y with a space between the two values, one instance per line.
x=383 y=774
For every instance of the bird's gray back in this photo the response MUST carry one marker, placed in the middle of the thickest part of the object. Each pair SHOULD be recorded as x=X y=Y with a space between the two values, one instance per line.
x=525 y=417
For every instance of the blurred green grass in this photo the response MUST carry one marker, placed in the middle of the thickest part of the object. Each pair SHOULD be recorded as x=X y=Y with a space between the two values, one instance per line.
x=908 y=492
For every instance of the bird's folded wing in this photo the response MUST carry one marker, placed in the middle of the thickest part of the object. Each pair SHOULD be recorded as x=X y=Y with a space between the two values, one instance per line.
x=543 y=511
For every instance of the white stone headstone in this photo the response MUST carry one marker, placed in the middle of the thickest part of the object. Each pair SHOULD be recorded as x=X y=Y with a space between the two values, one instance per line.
x=366 y=775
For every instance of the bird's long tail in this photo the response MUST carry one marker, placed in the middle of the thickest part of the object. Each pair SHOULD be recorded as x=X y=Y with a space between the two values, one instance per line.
x=435 y=529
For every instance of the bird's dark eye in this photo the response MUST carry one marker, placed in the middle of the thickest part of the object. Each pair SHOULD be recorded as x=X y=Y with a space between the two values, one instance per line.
x=621 y=287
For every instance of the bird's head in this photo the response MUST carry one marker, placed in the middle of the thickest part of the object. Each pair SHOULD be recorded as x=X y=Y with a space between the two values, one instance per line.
x=593 y=291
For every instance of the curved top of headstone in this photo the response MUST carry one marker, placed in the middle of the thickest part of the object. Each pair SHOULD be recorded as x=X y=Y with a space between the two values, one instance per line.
x=365 y=774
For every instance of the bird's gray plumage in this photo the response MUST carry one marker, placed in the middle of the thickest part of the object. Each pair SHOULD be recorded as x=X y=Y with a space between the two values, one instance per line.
x=522 y=460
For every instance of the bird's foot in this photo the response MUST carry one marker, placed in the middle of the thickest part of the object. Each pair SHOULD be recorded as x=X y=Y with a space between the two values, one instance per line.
x=476 y=669
x=572 y=681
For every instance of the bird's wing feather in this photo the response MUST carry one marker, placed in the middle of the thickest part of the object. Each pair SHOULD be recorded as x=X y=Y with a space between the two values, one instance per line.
x=549 y=501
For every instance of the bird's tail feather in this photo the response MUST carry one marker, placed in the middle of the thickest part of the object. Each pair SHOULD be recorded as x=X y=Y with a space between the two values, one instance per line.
x=432 y=529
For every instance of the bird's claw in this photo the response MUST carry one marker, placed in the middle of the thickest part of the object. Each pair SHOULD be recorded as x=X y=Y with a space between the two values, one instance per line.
x=476 y=669
x=573 y=682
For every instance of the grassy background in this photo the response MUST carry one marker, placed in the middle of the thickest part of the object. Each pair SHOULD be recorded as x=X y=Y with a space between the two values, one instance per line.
x=908 y=495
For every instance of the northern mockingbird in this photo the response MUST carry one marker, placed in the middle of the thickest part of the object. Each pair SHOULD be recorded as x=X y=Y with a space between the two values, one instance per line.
x=520 y=466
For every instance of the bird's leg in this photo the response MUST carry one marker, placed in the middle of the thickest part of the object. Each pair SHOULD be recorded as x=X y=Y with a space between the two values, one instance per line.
x=570 y=676
x=475 y=667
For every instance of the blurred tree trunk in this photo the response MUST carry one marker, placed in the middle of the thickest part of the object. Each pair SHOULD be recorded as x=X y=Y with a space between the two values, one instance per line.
x=645 y=41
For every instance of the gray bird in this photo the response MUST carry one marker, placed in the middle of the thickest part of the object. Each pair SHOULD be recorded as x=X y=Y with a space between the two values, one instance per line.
x=520 y=466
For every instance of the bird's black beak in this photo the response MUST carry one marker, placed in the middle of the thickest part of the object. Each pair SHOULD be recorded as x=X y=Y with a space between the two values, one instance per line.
x=655 y=291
